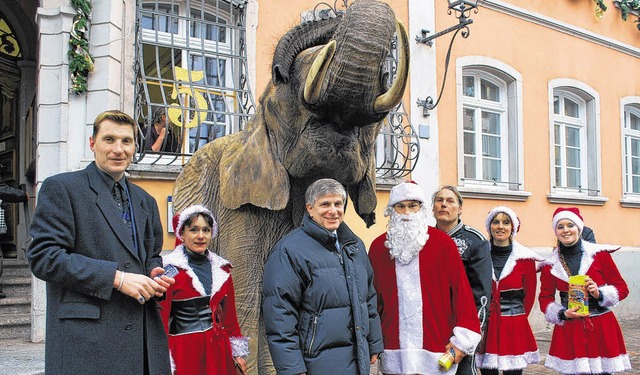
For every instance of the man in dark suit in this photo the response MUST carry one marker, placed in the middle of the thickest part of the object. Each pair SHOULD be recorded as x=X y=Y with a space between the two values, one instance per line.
x=96 y=242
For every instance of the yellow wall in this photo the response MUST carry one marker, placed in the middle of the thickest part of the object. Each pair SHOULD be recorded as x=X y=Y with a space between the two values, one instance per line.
x=160 y=190
x=542 y=55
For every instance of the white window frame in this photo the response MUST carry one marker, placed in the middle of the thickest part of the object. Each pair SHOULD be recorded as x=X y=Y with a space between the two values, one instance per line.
x=591 y=192
x=629 y=104
x=480 y=106
x=512 y=185
x=564 y=122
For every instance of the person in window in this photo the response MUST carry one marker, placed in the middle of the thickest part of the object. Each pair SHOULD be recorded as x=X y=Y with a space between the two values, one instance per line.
x=12 y=195
x=318 y=300
x=158 y=136
x=582 y=343
x=199 y=310
x=424 y=299
x=474 y=250
x=509 y=344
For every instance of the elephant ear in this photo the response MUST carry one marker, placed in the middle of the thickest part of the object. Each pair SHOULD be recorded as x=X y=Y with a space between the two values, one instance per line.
x=250 y=173
x=364 y=197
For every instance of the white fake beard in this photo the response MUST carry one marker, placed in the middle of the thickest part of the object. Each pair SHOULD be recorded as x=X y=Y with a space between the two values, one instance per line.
x=406 y=235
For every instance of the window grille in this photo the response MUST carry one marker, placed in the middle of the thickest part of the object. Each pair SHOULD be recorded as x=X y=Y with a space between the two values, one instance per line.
x=191 y=65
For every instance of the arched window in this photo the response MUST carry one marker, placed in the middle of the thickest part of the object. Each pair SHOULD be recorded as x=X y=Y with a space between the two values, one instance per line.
x=574 y=143
x=490 y=157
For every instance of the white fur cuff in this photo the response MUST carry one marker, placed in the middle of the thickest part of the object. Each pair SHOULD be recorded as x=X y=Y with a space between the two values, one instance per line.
x=553 y=309
x=465 y=339
x=239 y=346
x=610 y=297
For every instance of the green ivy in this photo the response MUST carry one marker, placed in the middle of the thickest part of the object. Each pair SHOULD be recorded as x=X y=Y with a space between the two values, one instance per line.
x=626 y=6
x=80 y=60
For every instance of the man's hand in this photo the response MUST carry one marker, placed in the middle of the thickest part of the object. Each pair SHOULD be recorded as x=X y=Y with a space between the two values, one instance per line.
x=459 y=353
x=140 y=287
x=157 y=274
x=374 y=358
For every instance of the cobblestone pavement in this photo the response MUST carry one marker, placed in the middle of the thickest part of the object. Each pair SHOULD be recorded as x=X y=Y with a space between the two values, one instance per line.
x=20 y=357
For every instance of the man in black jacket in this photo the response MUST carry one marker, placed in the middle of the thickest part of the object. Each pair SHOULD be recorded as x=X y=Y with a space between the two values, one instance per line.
x=9 y=194
x=319 y=304
x=475 y=252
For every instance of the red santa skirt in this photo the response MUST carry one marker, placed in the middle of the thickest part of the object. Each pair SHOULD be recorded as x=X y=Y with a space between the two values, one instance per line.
x=509 y=343
x=207 y=352
x=588 y=346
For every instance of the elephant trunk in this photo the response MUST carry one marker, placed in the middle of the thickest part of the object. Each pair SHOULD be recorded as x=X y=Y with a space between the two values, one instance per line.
x=301 y=37
x=355 y=67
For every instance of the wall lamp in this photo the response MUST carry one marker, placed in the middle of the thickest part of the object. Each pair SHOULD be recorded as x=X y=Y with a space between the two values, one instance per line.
x=462 y=10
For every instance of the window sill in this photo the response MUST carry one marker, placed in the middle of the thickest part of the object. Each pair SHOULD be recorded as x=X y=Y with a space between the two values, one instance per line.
x=576 y=199
x=493 y=193
x=630 y=201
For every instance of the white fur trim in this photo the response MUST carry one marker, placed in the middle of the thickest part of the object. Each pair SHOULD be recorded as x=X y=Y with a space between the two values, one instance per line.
x=589 y=251
x=218 y=276
x=507 y=362
x=406 y=191
x=412 y=361
x=568 y=215
x=173 y=364
x=515 y=222
x=610 y=296
x=187 y=212
x=518 y=252
x=239 y=346
x=551 y=313
x=465 y=340
x=410 y=314
x=589 y=365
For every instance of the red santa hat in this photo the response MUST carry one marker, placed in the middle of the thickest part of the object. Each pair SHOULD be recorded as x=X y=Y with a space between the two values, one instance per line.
x=406 y=191
x=174 y=224
x=568 y=213
x=187 y=213
x=515 y=222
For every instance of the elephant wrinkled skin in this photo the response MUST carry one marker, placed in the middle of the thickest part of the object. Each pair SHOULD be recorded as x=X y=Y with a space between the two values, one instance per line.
x=318 y=118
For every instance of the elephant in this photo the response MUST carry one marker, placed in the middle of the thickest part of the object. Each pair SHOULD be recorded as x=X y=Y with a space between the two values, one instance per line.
x=318 y=117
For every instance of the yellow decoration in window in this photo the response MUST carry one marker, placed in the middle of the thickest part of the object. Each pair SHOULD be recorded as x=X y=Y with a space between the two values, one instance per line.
x=176 y=111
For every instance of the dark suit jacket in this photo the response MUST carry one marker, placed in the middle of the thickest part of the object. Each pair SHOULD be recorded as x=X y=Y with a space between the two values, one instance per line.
x=79 y=240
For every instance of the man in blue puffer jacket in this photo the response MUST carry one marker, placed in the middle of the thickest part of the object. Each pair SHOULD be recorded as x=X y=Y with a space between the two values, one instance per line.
x=319 y=303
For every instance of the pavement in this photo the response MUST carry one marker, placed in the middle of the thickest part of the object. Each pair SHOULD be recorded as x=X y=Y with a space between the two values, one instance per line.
x=22 y=357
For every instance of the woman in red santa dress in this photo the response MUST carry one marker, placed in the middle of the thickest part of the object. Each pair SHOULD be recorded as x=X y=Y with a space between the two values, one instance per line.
x=199 y=309
x=509 y=342
x=582 y=343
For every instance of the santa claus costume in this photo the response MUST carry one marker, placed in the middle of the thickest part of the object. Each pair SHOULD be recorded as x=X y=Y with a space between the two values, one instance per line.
x=202 y=327
x=424 y=298
x=593 y=344
x=509 y=342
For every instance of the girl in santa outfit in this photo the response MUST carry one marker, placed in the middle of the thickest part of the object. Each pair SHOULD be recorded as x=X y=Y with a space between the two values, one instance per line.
x=509 y=342
x=582 y=343
x=199 y=310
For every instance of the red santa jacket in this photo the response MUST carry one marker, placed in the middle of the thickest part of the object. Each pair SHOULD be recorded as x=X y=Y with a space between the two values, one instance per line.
x=423 y=305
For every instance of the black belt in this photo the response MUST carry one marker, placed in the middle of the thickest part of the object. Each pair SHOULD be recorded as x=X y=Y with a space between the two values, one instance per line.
x=511 y=302
x=192 y=315
x=594 y=308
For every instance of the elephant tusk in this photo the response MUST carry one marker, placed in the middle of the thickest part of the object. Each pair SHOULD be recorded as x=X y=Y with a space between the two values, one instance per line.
x=315 y=77
x=391 y=98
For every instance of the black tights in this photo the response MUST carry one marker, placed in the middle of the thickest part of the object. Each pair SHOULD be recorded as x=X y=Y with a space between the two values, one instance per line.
x=490 y=371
